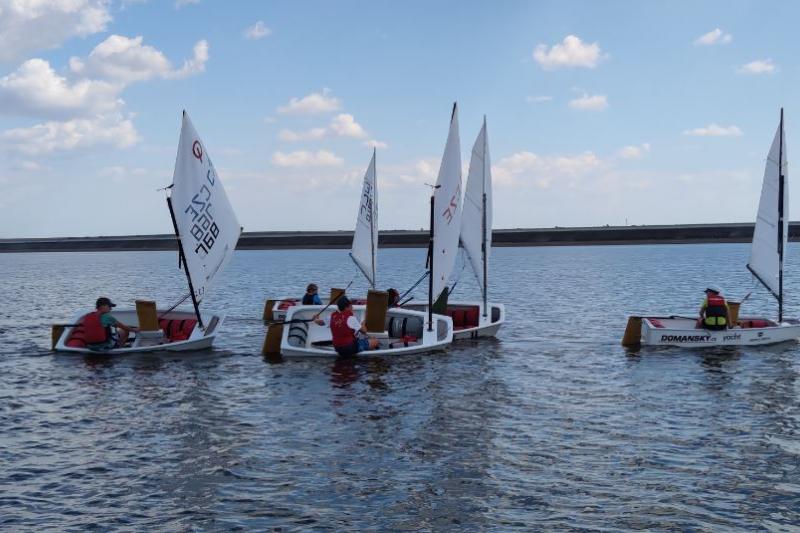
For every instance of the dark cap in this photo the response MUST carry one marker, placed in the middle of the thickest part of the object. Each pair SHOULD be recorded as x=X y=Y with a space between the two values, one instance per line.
x=311 y=287
x=343 y=303
x=104 y=301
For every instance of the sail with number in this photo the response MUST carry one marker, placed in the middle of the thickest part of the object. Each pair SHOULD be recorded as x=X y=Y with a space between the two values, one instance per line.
x=365 y=238
x=204 y=219
x=476 y=218
x=447 y=209
x=772 y=223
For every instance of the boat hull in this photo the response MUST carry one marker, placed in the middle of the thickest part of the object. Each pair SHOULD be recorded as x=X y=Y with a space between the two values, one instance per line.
x=683 y=332
x=302 y=338
x=198 y=339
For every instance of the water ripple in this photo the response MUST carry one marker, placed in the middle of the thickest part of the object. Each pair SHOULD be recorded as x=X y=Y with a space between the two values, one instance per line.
x=551 y=426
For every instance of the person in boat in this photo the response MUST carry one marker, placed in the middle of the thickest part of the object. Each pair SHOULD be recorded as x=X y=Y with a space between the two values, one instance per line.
x=311 y=297
x=349 y=335
x=714 y=313
x=103 y=330
x=394 y=298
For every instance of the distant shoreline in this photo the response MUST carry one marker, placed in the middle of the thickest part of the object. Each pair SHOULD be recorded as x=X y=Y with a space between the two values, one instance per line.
x=287 y=240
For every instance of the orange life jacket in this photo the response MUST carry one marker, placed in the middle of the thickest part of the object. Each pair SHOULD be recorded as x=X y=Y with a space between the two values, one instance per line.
x=343 y=335
x=94 y=332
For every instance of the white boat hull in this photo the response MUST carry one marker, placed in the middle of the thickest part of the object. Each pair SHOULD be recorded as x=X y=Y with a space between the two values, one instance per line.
x=683 y=331
x=143 y=342
x=305 y=338
x=484 y=326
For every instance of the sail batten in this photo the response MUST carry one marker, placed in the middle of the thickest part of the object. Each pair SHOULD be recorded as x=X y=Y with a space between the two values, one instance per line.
x=476 y=221
x=447 y=198
x=204 y=219
x=772 y=221
x=364 y=251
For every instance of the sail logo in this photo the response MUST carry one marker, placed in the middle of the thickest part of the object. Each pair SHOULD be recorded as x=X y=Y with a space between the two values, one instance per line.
x=204 y=228
x=366 y=202
x=452 y=206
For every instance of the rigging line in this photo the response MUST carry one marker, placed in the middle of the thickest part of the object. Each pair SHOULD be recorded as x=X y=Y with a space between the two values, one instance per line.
x=414 y=286
x=183 y=299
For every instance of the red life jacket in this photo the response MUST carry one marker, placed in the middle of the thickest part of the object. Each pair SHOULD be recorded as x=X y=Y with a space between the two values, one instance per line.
x=343 y=335
x=94 y=331
x=716 y=310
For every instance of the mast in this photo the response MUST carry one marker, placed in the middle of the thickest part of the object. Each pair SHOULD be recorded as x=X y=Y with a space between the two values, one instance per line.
x=483 y=227
x=430 y=266
x=182 y=258
x=781 y=186
x=372 y=212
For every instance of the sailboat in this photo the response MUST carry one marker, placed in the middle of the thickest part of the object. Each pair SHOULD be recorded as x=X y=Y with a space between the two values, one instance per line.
x=364 y=250
x=207 y=231
x=766 y=263
x=476 y=319
x=407 y=331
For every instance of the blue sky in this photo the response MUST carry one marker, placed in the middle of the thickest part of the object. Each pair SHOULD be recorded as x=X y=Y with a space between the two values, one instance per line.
x=598 y=112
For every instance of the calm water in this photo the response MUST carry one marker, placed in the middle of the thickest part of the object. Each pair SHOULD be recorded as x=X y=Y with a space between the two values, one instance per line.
x=551 y=426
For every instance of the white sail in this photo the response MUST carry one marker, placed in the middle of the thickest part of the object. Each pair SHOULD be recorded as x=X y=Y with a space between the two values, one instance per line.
x=765 y=255
x=365 y=238
x=447 y=209
x=476 y=221
x=206 y=223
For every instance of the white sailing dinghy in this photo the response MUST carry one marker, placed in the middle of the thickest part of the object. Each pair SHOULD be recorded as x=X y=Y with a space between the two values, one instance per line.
x=364 y=251
x=766 y=264
x=473 y=319
x=207 y=232
x=407 y=331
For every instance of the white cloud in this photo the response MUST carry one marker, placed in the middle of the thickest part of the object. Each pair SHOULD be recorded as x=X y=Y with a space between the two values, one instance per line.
x=633 y=151
x=596 y=102
x=344 y=125
x=542 y=171
x=312 y=104
x=35 y=89
x=93 y=85
x=372 y=143
x=715 y=36
x=309 y=135
x=713 y=130
x=126 y=60
x=105 y=130
x=83 y=107
x=538 y=99
x=195 y=65
x=29 y=26
x=257 y=31
x=765 y=66
x=572 y=52
x=303 y=158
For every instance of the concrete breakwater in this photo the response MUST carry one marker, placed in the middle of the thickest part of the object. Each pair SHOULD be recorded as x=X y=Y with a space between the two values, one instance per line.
x=267 y=240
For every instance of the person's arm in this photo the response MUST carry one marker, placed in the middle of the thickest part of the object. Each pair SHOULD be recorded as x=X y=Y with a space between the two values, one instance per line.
x=317 y=300
x=110 y=321
x=355 y=325
x=703 y=308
